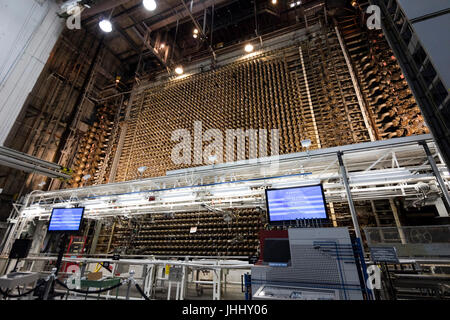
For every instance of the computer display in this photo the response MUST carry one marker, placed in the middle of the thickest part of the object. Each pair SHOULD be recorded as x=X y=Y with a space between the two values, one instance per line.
x=276 y=251
x=288 y=204
x=65 y=219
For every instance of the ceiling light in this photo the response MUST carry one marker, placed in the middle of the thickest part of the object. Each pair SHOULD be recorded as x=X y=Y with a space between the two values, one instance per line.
x=292 y=4
x=195 y=31
x=249 y=48
x=274 y=1
x=195 y=36
x=105 y=25
x=150 y=5
x=179 y=70
x=162 y=45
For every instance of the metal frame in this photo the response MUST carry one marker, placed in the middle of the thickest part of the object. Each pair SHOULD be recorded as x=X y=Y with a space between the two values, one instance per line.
x=376 y=170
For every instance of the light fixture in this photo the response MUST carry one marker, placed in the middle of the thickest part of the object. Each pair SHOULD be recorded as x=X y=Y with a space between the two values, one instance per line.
x=306 y=143
x=179 y=70
x=142 y=169
x=274 y=1
x=248 y=48
x=195 y=31
x=177 y=196
x=212 y=158
x=162 y=46
x=150 y=5
x=230 y=191
x=105 y=25
x=195 y=36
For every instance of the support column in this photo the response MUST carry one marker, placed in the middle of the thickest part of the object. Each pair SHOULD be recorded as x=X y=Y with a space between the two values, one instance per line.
x=397 y=221
x=349 y=195
x=98 y=228
x=436 y=173
x=377 y=220
x=333 y=215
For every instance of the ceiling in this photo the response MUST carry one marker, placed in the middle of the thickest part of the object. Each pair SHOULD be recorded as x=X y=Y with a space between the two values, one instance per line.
x=149 y=41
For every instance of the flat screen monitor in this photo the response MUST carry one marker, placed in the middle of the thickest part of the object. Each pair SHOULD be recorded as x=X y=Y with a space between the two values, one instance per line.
x=289 y=204
x=65 y=219
x=276 y=251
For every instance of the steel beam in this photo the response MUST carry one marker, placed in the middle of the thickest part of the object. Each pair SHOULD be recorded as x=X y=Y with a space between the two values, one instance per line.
x=24 y=162
x=349 y=195
x=436 y=173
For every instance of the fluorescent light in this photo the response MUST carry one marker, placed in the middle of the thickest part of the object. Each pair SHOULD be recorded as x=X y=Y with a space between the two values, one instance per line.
x=177 y=196
x=296 y=183
x=150 y=5
x=179 y=70
x=249 y=48
x=105 y=25
x=229 y=191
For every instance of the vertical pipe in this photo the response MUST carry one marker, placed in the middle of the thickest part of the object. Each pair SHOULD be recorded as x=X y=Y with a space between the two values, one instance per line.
x=361 y=103
x=316 y=132
x=349 y=195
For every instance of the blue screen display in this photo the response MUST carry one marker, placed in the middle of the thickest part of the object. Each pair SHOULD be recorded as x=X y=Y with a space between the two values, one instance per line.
x=66 y=219
x=296 y=203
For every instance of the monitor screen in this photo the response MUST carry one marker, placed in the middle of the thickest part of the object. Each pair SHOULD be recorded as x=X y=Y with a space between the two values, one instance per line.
x=289 y=204
x=65 y=219
x=276 y=251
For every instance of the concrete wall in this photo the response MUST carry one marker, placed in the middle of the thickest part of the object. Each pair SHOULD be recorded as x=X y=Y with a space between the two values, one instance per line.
x=28 y=31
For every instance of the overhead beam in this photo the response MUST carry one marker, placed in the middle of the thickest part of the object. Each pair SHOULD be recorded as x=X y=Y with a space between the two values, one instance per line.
x=182 y=13
x=24 y=162
x=102 y=7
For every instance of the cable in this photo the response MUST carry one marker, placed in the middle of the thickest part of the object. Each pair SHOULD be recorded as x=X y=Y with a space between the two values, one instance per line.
x=6 y=294
x=138 y=287
x=88 y=291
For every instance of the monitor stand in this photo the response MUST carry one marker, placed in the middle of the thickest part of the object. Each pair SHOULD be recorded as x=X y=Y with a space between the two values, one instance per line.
x=50 y=285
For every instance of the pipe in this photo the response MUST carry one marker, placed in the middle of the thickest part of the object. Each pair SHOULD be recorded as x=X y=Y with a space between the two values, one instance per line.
x=309 y=99
x=361 y=103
